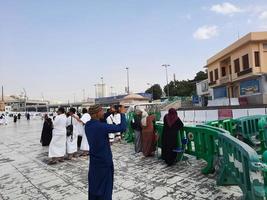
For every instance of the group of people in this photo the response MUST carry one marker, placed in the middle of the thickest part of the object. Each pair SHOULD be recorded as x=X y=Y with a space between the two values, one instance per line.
x=100 y=130
x=146 y=138
x=145 y=135
x=61 y=144
x=16 y=117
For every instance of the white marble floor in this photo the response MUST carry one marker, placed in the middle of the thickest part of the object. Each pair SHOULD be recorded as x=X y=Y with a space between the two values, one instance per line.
x=25 y=175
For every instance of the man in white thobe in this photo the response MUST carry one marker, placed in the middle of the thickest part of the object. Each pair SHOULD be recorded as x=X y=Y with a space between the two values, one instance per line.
x=57 y=147
x=72 y=146
x=84 y=144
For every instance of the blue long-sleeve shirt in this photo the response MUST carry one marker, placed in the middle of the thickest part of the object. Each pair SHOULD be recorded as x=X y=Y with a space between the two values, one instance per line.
x=97 y=136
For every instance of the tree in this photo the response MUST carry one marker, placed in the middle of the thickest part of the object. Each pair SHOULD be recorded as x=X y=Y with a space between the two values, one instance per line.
x=185 y=87
x=155 y=90
x=201 y=76
x=181 y=88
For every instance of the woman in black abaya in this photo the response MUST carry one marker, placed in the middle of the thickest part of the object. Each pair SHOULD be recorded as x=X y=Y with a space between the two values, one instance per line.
x=172 y=125
x=47 y=131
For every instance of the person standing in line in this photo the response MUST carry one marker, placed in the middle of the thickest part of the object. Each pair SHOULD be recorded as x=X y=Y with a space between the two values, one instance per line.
x=101 y=168
x=57 y=147
x=84 y=144
x=137 y=127
x=46 y=131
x=148 y=134
x=172 y=125
x=19 y=115
x=72 y=146
x=111 y=120
x=117 y=118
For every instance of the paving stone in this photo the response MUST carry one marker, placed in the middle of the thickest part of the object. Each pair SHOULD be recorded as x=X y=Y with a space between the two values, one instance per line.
x=25 y=175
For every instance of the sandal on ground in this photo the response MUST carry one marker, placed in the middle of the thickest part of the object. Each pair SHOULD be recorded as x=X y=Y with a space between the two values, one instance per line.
x=52 y=162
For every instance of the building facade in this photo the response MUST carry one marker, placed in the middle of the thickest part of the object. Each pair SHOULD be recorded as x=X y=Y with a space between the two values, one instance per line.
x=204 y=92
x=240 y=70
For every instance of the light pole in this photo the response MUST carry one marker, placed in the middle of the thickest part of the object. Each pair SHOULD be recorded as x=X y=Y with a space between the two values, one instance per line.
x=111 y=92
x=128 y=87
x=149 y=84
x=102 y=82
x=95 y=91
x=168 y=90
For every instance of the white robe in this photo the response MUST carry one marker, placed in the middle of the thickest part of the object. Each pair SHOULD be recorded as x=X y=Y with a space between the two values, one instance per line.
x=114 y=119
x=84 y=144
x=57 y=147
x=72 y=145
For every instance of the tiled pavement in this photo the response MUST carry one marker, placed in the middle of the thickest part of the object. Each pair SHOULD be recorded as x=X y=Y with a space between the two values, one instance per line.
x=25 y=175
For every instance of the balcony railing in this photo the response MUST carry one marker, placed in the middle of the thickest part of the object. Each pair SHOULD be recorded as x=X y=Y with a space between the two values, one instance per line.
x=246 y=71
x=225 y=79
x=212 y=83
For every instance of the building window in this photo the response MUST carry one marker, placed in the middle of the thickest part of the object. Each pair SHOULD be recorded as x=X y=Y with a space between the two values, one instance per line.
x=245 y=62
x=265 y=46
x=216 y=74
x=211 y=76
x=223 y=71
x=237 y=65
x=257 y=58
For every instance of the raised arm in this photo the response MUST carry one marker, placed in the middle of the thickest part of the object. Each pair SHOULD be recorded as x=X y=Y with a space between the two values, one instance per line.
x=110 y=128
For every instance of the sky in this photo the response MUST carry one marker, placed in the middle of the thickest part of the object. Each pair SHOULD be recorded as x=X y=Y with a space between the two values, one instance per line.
x=58 y=49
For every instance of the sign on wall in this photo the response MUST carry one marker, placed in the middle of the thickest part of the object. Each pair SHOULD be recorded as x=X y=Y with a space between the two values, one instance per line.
x=249 y=87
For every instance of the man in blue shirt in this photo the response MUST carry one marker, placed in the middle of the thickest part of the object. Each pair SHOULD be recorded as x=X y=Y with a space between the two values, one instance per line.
x=101 y=169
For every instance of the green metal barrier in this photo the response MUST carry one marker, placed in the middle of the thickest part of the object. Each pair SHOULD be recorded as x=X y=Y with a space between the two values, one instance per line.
x=129 y=134
x=201 y=143
x=248 y=129
x=262 y=124
x=240 y=165
x=228 y=124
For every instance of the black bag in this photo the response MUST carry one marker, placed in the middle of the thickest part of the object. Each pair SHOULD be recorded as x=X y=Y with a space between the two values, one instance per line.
x=70 y=129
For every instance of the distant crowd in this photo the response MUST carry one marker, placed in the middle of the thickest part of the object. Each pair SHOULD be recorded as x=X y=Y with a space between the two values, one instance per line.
x=16 y=117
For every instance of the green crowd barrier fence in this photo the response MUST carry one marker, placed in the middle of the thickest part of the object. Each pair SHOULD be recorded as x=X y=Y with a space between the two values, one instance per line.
x=228 y=124
x=248 y=129
x=239 y=164
x=201 y=143
x=129 y=134
x=262 y=124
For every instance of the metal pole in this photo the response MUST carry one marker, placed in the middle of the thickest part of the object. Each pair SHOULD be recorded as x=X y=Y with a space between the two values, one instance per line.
x=111 y=87
x=95 y=91
x=168 y=90
x=128 y=87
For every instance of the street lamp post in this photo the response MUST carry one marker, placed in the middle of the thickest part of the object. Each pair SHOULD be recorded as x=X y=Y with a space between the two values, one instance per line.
x=111 y=90
x=168 y=90
x=102 y=82
x=95 y=91
x=128 y=87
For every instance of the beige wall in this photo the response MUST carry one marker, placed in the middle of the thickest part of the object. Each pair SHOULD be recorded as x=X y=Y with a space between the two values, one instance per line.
x=249 y=49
